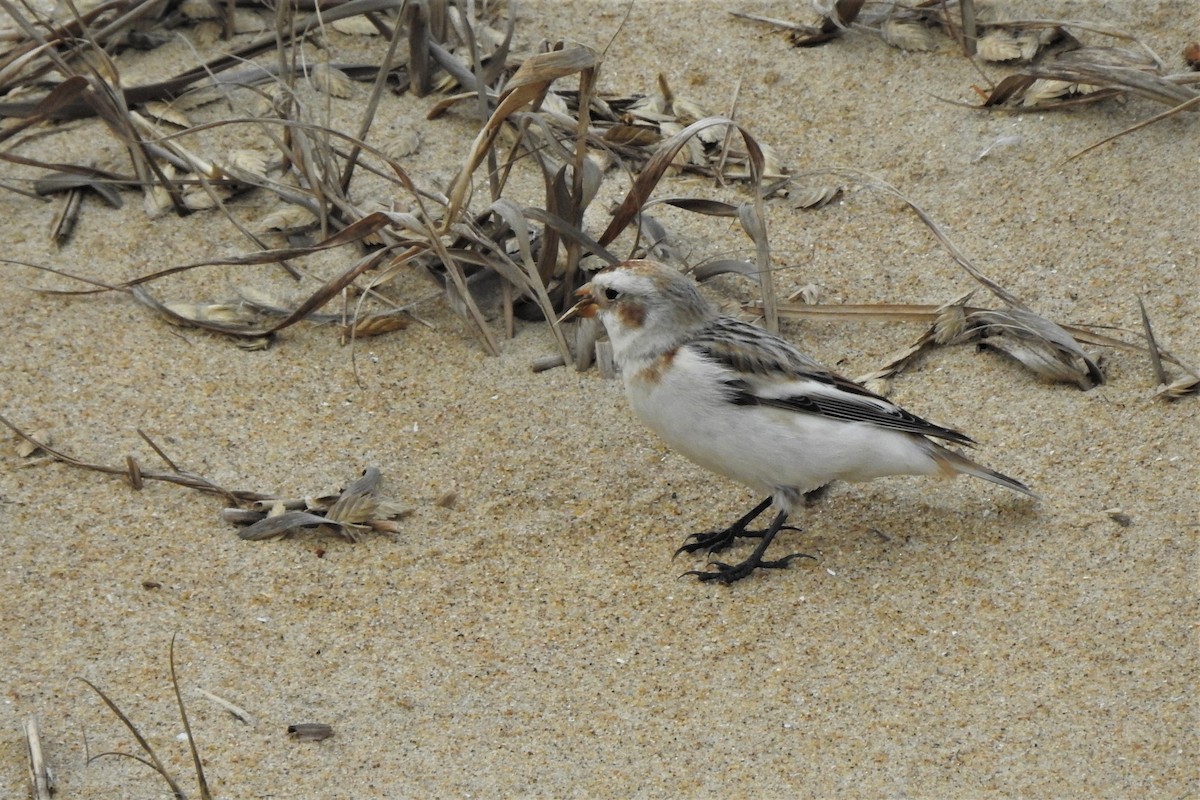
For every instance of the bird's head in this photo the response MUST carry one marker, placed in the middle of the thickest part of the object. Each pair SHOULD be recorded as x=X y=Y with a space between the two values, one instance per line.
x=645 y=306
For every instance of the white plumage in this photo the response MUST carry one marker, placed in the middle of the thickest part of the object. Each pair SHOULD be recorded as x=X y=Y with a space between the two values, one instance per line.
x=746 y=404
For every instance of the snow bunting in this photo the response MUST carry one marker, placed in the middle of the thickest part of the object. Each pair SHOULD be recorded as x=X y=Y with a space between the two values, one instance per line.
x=745 y=403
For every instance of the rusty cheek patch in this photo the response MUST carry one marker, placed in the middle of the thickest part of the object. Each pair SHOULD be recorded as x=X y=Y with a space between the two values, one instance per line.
x=653 y=374
x=632 y=315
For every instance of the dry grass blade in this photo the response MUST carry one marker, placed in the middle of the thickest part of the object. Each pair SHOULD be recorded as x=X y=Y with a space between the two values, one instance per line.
x=274 y=527
x=60 y=96
x=416 y=19
x=531 y=278
x=970 y=28
x=67 y=216
x=1160 y=375
x=41 y=783
x=753 y=216
x=750 y=215
x=530 y=82
x=839 y=17
x=654 y=170
x=1188 y=105
x=700 y=205
x=1056 y=346
x=726 y=266
x=201 y=781
x=238 y=713
x=154 y=763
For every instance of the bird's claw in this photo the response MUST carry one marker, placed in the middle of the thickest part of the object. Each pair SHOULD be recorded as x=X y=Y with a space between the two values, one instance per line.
x=716 y=541
x=728 y=573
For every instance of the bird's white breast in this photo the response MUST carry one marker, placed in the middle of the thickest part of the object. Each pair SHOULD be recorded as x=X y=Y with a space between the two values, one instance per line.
x=684 y=397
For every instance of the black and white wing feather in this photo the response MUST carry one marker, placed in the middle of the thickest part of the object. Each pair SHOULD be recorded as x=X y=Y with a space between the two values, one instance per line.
x=771 y=372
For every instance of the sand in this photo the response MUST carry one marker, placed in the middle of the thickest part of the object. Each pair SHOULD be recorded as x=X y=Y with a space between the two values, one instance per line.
x=535 y=639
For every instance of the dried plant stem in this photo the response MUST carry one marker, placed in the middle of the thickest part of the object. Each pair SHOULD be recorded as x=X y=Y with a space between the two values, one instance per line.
x=41 y=786
x=185 y=479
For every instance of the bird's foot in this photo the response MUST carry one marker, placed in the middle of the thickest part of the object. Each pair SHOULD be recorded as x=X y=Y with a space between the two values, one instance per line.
x=728 y=573
x=716 y=541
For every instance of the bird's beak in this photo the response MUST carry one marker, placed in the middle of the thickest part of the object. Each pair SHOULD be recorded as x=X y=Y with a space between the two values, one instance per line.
x=585 y=308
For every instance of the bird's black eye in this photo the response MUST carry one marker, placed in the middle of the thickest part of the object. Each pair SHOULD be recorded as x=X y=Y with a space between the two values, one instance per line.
x=611 y=294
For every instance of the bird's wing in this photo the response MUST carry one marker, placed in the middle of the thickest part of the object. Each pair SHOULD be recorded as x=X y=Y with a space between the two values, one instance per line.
x=766 y=370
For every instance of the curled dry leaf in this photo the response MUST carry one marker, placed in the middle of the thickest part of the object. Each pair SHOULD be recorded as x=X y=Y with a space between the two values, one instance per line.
x=1119 y=516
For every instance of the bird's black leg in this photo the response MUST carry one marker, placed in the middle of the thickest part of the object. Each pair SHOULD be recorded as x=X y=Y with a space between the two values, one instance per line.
x=727 y=573
x=716 y=541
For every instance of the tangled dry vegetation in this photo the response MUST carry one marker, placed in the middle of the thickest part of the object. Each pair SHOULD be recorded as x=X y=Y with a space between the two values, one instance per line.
x=473 y=239
x=538 y=111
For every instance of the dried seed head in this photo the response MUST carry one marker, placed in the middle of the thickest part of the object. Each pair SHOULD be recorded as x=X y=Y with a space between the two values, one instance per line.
x=404 y=143
x=198 y=9
x=812 y=196
x=166 y=112
x=912 y=36
x=950 y=324
x=198 y=198
x=287 y=218
x=687 y=110
x=1043 y=90
x=26 y=448
x=355 y=26
x=998 y=45
x=1187 y=385
x=331 y=81
x=808 y=294
x=246 y=21
x=880 y=386
x=378 y=324
x=246 y=160
x=310 y=731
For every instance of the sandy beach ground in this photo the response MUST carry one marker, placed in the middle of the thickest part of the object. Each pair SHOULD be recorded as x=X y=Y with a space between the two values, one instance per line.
x=950 y=639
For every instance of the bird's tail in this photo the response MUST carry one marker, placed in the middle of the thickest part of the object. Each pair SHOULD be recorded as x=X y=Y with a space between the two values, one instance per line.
x=951 y=463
